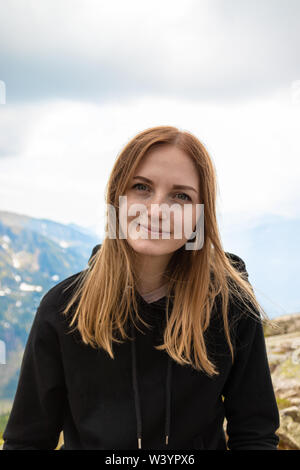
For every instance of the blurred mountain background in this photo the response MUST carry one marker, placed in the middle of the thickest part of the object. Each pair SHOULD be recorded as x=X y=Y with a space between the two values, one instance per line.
x=35 y=254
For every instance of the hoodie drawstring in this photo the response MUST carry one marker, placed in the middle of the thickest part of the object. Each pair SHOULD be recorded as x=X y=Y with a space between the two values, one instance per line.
x=137 y=397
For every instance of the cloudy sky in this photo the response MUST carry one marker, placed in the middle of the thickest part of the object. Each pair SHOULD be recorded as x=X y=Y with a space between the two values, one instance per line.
x=82 y=77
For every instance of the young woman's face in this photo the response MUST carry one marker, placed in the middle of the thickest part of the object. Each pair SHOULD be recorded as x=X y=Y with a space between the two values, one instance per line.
x=150 y=197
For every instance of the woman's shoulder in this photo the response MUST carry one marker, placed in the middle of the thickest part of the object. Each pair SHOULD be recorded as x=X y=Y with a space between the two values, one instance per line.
x=240 y=307
x=237 y=262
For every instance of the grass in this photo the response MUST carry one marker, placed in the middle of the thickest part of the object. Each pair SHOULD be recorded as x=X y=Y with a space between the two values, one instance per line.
x=3 y=422
x=283 y=403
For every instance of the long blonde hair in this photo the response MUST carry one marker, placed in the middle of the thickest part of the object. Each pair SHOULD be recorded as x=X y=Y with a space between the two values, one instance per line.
x=106 y=291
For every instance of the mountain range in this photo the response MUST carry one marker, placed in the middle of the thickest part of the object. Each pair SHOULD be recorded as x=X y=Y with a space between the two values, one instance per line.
x=270 y=248
x=35 y=254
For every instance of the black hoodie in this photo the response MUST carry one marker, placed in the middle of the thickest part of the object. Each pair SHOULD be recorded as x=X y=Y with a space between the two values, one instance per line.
x=142 y=398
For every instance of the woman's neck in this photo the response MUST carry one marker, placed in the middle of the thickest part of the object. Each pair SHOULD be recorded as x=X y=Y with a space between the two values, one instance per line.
x=151 y=272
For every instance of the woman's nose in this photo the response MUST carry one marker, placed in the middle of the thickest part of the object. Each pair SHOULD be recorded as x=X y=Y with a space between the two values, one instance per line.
x=159 y=216
x=157 y=208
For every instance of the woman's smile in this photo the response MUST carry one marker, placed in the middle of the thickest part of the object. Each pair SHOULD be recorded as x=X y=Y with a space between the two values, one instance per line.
x=154 y=232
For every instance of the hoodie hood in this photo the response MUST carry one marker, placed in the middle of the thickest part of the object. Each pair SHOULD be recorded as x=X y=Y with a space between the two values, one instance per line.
x=152 y=313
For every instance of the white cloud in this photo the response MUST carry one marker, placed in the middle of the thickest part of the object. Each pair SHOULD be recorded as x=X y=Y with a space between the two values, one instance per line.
x=95 y=49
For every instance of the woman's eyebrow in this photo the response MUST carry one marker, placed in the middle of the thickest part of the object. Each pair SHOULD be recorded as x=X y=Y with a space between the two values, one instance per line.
x=175 y=186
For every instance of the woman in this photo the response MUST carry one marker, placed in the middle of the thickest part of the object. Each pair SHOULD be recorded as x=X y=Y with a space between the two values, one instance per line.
x=158 y=340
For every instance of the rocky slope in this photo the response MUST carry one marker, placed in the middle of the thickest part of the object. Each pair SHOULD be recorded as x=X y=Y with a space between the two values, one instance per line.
x=283 y=347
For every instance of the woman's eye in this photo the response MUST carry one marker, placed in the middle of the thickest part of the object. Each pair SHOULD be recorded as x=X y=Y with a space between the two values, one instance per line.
x=145 y=186
x=183 y=194
x=139 y=184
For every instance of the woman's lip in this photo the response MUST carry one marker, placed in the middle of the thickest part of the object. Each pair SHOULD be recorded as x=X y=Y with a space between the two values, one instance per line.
x=153 y=231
